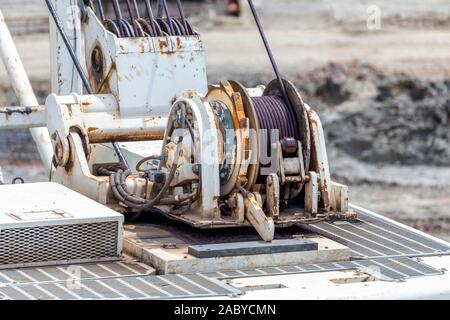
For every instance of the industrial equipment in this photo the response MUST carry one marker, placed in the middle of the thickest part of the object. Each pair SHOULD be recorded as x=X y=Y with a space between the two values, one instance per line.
x=230 y=155
x=134 y=125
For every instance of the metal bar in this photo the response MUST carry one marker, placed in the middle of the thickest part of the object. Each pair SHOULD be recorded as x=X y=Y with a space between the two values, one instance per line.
x=120 y=154
x=182 y=16
x=150 y=16
x=100 y=10
x=22 y=117
x=118 y=13
x=269 y=52
x=130 y=11
x=169 y=20
x=23 y=90
x=127 y=134
x=251 y=248
x=136 y=9
x=159 y=9
x=132 y=17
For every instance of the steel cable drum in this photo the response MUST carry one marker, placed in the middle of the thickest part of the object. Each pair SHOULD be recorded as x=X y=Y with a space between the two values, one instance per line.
x=271 y=112
x=300 y=112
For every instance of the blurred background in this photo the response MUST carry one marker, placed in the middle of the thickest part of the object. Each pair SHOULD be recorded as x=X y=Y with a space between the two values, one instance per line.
x=377 y=72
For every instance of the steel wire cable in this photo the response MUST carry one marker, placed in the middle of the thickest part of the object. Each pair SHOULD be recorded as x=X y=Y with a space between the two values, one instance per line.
x=136 y=25
x=274 y=114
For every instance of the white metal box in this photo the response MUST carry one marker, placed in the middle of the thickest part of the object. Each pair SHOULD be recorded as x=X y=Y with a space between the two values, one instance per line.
x=47 y=223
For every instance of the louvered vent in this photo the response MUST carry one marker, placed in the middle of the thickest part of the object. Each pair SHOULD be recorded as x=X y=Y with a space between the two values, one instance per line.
x=58 y=244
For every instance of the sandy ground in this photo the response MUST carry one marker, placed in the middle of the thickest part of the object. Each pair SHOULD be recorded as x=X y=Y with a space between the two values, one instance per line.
x=239 y=54
x=305 y=36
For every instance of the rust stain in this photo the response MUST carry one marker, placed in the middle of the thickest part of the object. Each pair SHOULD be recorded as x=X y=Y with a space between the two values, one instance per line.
x=90 y=129
x=103 y=86
x=179 y=44
x=311 y=117
x=152 y=120
x=190 y=94
x=324 y=186
x=69 y=108
x=86 y=104
x=162 y=44
x=99 y=136
x=69 y=167
x=163 y=47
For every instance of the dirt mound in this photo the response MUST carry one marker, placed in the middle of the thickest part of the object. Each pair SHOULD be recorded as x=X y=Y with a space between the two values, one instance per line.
x=381 y=118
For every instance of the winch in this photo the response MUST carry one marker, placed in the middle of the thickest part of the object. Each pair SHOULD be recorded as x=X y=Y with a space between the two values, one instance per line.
x=148 y=135
x=181 y=172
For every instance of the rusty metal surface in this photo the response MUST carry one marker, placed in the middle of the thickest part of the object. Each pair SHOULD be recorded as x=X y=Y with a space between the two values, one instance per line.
x=97 y=135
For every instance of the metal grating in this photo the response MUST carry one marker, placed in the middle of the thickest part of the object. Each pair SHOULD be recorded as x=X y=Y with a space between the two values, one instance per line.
x=120 y=286
x=371 y=237
x=59 y=243
x=133 y=280
x=37 y=275
x=381 y=248
x=385 y=269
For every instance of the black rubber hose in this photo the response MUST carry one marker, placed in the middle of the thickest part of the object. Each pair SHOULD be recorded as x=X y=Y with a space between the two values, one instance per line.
x=120 y=190
x=144 y=160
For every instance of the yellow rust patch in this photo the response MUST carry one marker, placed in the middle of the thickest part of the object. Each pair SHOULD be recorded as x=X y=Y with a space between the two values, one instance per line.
x=162 y=44
x=190 y=94
x=152 y=120
x=69 y=108
x=179 y=44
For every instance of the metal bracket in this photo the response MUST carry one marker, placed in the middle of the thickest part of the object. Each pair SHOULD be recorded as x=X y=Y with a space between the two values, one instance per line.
x=256 y=216
x=273 y=196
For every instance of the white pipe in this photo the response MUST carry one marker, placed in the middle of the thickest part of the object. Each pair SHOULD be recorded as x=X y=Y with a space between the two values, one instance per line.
x=22 y=117
x=2 y=180
x=23 y=90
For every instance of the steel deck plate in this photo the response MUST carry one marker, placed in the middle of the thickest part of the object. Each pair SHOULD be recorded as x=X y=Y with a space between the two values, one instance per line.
x=373 y=237
x=118 y=280
x=103 y=270
x=381 y=247
x=386 y=269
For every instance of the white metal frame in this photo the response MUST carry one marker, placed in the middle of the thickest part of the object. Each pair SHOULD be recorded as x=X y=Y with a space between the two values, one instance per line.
x=24 y=92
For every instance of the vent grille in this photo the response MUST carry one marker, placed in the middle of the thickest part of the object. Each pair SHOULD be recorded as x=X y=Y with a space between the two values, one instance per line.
x=60 y=243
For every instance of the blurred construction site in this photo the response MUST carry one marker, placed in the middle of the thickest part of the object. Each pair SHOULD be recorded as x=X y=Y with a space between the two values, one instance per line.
x=378 y=73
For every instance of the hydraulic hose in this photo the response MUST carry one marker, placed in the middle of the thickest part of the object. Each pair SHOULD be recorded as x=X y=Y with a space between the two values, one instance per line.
x=117 y=178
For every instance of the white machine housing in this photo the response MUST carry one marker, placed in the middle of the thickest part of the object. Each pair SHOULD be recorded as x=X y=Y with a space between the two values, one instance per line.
x=69 y=228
